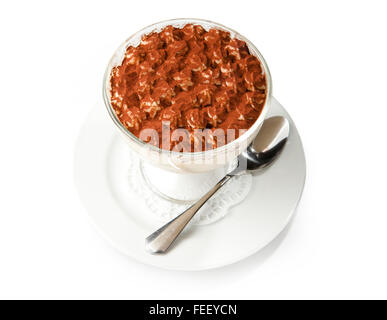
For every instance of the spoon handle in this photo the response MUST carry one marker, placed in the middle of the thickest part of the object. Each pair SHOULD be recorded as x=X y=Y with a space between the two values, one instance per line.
x=160 y=240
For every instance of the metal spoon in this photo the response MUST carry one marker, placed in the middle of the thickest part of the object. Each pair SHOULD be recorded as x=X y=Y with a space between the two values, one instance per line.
x=262 y=151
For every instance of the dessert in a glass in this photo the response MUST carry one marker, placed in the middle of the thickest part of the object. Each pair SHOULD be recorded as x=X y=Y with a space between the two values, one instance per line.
x=188 y=96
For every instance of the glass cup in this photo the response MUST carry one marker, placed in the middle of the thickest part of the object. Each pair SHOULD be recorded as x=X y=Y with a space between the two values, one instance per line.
x=211 y=163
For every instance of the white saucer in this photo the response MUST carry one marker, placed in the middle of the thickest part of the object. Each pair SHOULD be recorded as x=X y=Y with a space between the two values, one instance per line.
x=124 y=220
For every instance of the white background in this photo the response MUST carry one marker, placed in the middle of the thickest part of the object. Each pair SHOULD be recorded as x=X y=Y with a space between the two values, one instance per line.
x=329 y=65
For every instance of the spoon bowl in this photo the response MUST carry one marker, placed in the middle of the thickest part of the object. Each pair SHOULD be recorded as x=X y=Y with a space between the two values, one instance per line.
x=265 y=147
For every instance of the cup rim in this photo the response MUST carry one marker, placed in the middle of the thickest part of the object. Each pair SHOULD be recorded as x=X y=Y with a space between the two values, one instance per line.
x=203 y=23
